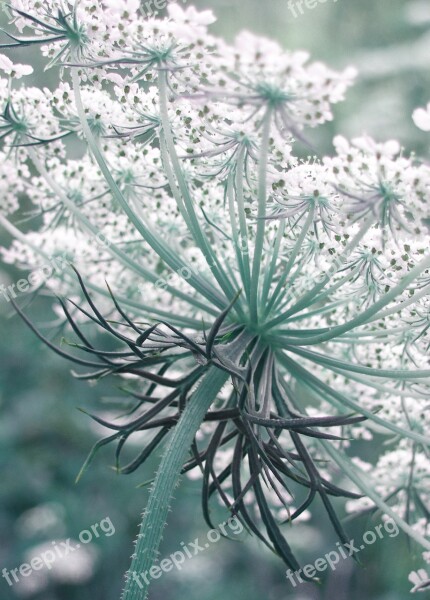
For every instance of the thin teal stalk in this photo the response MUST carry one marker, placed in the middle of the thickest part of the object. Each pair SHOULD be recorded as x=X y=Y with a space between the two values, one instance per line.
x=336 y=286
x=311 y=381
x=236 y=282
x=292 y=259
x=136 y=305
x=19 y=235
x=244 y=246
x=183 y=322
x=141 y=307
x=166 y=480
x=271 y=267
x=402 y=305
x=172 y=183
x=372 y=310
x=361 y=336
x=381 y=388
x=328 y=362
x=352 y=471
x=316 y=311
x=281 y=303
x=112 y=248
x=195 y=228
x=236 y=239
x=169 y=256
x=261 y=222
x=309 y=296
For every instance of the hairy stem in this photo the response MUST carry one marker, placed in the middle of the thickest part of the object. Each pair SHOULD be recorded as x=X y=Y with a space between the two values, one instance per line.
x=168 y=474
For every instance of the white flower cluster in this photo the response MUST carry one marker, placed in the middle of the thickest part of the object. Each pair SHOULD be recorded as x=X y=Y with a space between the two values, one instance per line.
x=181 y=151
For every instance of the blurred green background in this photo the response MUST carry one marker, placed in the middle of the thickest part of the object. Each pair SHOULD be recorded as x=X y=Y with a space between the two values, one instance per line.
x=44 y=439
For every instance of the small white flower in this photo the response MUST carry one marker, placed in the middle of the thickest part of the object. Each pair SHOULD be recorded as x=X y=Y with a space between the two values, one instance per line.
x=421 y=117
x=121 y=6
x=420 y=580
x=17 y=71
x=191 y=15
x=189 y=23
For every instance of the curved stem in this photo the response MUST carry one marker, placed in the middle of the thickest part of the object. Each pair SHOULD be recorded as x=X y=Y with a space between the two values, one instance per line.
x=346 y=367
x=261 y=223
x=112 y=249
x=336 y=286
x=340 y=400
x=368 y=382
x=402 y=305
x=291 y=260
x=136 y=305
x=167 y=254
x=308 y=298
x=140 y=307
x=372 y=310
x=166 y=480
x=317 y=311
x=360 y=479
x=186 y=206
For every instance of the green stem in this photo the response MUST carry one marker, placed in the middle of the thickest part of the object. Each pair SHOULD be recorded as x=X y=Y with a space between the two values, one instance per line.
x=372 y=311
x=244 y=244
x=112 y=249
x=235 y=233
x=340 y=400
x=261 y=223
x=166 y=480
x=186 y=206
x=308 y=299
x=134 y=304
x=346 y=367
x=167 y=254
x=402 y=305
x=361 y=481
x=291 y=261
x=317 y=311
x=368 y=382
x=272 y=263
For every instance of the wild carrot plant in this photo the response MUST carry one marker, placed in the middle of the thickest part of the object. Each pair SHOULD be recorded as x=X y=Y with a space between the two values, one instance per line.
x=265 y=312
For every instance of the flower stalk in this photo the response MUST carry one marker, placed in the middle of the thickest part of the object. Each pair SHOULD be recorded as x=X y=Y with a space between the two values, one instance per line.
x=166 y=481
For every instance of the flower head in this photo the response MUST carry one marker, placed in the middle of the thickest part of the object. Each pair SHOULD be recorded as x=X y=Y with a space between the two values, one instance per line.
x=289 y=297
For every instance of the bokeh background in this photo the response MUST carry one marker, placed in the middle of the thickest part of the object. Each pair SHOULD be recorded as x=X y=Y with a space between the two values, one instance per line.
x=44 y=439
